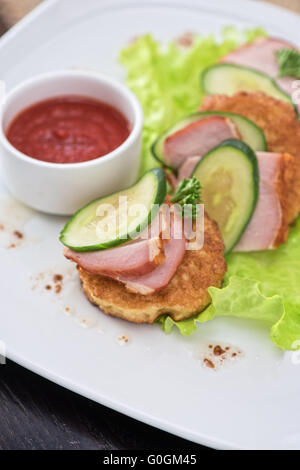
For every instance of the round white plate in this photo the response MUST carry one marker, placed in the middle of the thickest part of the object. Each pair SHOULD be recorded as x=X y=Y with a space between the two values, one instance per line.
x=252 y=402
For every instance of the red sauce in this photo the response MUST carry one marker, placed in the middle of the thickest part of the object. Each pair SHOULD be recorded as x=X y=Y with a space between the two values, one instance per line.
x=68 y=129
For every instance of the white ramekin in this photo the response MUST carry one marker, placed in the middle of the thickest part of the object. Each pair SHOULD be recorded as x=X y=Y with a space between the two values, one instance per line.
x=59 y=188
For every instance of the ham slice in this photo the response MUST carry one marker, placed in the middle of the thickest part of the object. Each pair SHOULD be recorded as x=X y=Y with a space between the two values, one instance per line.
x=171 y=179
x=268 y=227
x=163 y=274
x=198 y=138
x=132 y=259
x=260 y=55
x=143 y=266
x=187 y=168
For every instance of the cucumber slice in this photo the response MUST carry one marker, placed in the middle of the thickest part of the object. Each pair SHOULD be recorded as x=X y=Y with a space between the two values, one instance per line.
x=119 y=222
x=250 y=132
x=229 y=177
x=228 y=79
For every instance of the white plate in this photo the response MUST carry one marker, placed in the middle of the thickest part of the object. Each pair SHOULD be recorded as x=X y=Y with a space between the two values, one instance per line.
x=252 y=402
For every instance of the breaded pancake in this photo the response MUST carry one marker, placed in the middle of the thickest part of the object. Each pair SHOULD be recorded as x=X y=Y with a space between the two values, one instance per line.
x=280 y=124
x=184 y=296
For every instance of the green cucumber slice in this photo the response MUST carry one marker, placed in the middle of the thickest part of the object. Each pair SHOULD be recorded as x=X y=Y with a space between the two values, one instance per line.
x=230 y=180
x=122 y=222
x=250 y=132
x=228 y=79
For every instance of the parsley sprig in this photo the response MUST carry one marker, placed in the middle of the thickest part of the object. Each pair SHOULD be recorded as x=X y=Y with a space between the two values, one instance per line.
x=289 y=63
x=188 y=196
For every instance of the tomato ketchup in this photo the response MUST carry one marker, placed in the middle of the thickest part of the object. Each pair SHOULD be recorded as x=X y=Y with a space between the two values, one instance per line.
x=68 y=129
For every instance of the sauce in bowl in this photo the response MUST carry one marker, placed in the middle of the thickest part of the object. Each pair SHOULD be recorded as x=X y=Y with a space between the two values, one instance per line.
x=68 y=129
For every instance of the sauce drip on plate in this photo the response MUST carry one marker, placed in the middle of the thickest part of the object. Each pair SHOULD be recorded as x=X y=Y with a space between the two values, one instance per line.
x=68 y=129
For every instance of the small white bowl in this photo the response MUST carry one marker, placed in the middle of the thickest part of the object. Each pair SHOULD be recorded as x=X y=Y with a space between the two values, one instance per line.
x=63 y=188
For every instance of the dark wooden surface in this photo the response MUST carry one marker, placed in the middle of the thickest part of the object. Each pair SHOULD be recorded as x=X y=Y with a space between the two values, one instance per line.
x=39 y=415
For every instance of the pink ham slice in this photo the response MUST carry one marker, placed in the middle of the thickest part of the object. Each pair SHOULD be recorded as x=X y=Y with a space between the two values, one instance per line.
x=187 y=168
x=198 y=138
x=260 y=55
x=163 y=274
x=135 y=258
x=143 y=266
x=268 y=226
x=132 y=259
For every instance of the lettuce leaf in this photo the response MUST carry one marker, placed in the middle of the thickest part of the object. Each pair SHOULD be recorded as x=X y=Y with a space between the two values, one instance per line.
x=262 y=286
x=166 y=79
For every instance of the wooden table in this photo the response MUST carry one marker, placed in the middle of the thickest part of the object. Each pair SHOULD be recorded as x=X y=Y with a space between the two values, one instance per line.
x=37 y=414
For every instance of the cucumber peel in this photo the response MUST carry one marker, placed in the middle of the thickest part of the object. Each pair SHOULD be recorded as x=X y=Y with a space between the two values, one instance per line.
x=229 y=178
x=228 y=79
x=121 y=215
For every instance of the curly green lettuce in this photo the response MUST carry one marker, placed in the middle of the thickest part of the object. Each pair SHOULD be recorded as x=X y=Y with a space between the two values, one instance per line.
x=262 y=286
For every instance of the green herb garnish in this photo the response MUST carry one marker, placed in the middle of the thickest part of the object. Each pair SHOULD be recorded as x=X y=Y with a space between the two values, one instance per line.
x=289 y=63
x=188 y=196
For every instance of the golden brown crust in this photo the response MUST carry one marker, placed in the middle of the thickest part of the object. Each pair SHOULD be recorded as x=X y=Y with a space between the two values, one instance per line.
x=185 y=295
x=284 y=180
x=279 y=122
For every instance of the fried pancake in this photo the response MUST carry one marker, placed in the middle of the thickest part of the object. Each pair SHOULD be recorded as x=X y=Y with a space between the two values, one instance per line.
x=285 y=180
x=184 y=296
x=279 y=122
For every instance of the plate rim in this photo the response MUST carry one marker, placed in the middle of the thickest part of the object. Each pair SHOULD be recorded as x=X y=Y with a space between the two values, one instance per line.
x=134 y=413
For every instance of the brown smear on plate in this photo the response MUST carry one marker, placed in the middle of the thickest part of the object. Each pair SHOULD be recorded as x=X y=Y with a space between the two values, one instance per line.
x=13 y=217
x=214 y=356
x=18 y=234
x=208 y=363
x=58 y=278
x=122 y=340
x=58 y=284
x=50 y=282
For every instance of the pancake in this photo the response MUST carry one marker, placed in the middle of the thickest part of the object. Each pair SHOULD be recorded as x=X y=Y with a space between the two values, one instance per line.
x=279 y=122
x=185 y=296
